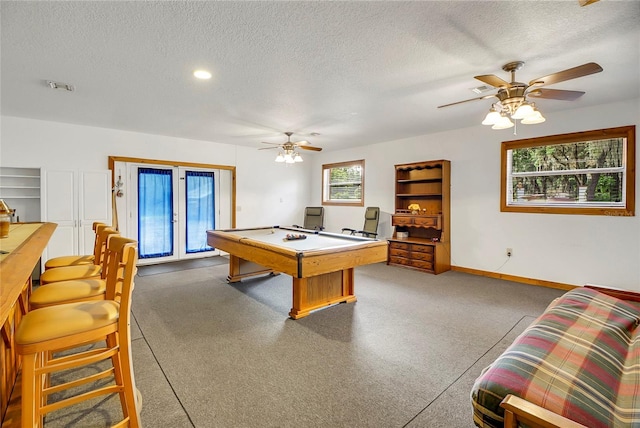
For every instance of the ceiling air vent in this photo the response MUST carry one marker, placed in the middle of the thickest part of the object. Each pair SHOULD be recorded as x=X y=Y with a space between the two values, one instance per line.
x=482 y=89
x=59 y=85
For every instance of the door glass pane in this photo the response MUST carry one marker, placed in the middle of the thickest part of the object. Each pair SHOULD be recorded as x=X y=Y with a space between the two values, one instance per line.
x=200 y=210
x=155 y=212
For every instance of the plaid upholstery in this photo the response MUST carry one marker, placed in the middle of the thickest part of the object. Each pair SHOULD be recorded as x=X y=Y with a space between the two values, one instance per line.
x=579 y=359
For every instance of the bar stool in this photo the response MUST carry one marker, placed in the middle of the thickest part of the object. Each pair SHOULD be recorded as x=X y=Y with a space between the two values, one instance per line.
x=46 y=331
x=92 y=271
x=71 y=291
x=86 y=259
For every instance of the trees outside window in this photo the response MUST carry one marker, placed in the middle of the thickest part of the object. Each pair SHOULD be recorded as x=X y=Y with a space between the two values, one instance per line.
x=581 y=173
x=343 y=183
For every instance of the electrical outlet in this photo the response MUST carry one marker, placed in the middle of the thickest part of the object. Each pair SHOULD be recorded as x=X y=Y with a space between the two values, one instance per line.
x=509 y=252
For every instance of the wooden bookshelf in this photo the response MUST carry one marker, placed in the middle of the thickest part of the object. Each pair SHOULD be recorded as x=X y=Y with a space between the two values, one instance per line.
x=427 y=246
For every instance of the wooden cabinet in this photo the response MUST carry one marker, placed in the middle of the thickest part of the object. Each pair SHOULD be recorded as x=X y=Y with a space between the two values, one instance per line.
x=422 y=217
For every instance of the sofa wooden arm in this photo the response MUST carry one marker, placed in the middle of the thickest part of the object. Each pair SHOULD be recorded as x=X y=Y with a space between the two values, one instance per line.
x=617 y=293
x=518 y=410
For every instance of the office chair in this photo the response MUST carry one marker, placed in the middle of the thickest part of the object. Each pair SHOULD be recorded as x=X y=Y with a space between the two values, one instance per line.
x=370 y=228
x=313 y=218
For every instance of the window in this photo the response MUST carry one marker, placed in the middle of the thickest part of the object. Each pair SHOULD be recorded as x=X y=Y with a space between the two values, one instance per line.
x=343 y=183
x=588 y=172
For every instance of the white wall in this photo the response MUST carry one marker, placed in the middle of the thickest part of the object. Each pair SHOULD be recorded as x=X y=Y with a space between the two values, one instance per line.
x=571 y=249
x=267 y=193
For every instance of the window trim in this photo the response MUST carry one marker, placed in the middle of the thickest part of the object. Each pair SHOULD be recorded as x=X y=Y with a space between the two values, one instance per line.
x=325 y=167
x=627 y=132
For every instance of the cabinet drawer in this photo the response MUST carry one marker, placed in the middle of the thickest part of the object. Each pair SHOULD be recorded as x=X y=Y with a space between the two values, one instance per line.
x=399 y=260
x=398 y=245
x=401 y=220
x=422 y=264
x=398 y=252
x=416 y=248
x=427 y=222
x=422 y=256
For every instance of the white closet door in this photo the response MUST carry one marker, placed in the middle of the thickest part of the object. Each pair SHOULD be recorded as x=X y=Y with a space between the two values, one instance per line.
x=60 y=206
x=74 y=200
x=94 y=204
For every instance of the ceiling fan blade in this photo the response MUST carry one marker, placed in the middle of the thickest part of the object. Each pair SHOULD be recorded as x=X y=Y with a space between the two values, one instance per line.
x=556 y=94
x=274 y=144
x=571 y=73
x=267 y=148
x=316 y=149
x=493 y=80
x=466 y=101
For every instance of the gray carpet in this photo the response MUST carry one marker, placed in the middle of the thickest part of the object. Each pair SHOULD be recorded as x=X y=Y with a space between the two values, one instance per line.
x=210 y=354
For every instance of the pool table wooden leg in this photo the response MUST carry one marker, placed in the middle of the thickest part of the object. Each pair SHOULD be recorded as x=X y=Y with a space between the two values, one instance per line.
x=240 y=268
x=319 y=291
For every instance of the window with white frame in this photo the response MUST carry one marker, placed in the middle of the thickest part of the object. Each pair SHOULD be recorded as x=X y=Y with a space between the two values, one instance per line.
x=581 y=173
x=343 y=183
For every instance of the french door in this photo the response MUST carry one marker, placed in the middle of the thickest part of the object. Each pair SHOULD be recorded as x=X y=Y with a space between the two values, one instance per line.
x=175 y=207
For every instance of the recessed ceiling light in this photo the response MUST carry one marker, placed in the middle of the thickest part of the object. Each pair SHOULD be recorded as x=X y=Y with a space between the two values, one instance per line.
x=202 y=74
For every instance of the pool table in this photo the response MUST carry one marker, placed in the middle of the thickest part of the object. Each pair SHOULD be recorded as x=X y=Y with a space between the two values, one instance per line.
x=321 y=264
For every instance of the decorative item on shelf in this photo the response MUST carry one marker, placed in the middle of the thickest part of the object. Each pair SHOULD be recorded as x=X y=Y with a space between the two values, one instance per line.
x=5 y=219
x=402 y=235
x=414 y=208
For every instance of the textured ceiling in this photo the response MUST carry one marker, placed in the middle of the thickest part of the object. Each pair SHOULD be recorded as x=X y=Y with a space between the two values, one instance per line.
x=355 y=72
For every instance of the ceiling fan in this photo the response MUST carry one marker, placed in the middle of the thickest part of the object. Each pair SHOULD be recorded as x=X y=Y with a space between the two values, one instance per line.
x=513 y=95
x=290 y=149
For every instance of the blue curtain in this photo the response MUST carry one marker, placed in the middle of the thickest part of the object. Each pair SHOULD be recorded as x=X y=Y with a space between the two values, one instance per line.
x=200 y=210
x=155 y=212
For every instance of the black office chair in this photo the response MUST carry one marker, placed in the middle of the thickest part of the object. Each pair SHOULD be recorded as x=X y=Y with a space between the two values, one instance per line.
x=370 y=228
x=313 y=218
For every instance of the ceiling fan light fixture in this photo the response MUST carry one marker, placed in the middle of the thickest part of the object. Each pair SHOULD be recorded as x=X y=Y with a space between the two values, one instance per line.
x=289 y=150
x=523 y=110
x=532 y=119
x=492 y=117
x=288 y=158
x=503 y=123
x=512 y=96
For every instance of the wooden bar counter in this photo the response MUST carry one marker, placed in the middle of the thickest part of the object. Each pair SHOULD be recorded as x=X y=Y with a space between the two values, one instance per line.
x=19 y=255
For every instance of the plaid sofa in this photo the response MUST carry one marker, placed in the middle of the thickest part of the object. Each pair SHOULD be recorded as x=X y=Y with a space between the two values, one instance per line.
x=579 y=359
